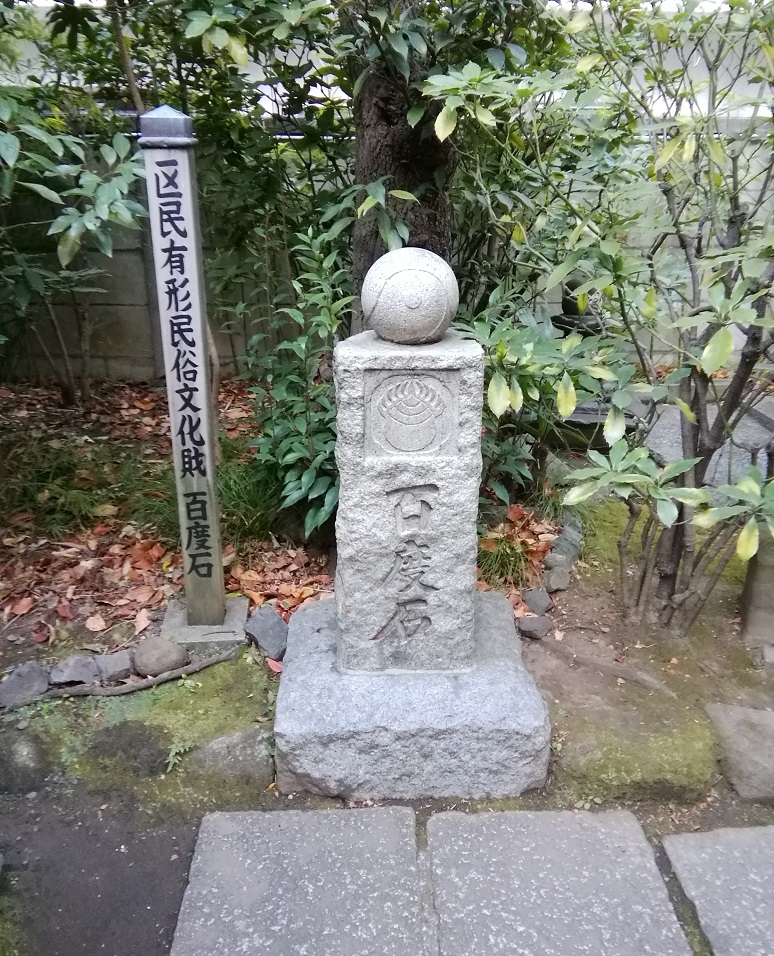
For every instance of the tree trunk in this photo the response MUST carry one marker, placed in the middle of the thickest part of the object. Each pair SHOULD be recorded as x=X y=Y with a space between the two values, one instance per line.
x=414 y=160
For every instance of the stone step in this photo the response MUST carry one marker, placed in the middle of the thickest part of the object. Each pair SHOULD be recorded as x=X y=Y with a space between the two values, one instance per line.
x=294 y=883
x=351 y=883
x=729 y=876
x=549 y=884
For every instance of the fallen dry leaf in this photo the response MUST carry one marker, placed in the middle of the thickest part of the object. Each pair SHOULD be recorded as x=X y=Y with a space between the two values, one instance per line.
x=141 y=621
x=96 y=623
x=24 y=606
x=274 y=666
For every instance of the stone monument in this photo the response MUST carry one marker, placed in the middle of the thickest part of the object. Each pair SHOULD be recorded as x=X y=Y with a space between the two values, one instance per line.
x=412 y=685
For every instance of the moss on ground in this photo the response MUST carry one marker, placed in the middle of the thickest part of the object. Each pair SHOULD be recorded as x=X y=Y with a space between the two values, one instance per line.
x=11 y=941
x=183 y=714
x=668 y=762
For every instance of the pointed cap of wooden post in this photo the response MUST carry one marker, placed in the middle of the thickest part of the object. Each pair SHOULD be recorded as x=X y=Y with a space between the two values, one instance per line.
x=165 y=127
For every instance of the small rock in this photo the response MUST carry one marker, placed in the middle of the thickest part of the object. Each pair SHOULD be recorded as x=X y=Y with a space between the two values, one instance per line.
x=538 y=600
x=534 y=627
x=747 y=748
x=555 y=560
x=32 y=795
x=24 y=764
x=22 y=725
x=572 y=536
x=156 y=655
x=268 y=632
x=77 y=669
x=114 y=667
x=557 y=579
x=567 y=548
x=25 y=683
x=572 y=522
x=246 y=754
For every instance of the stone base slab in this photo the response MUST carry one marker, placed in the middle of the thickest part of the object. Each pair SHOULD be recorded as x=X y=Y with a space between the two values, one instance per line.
x=207 y=638
x=289 y=883
x=482 y=733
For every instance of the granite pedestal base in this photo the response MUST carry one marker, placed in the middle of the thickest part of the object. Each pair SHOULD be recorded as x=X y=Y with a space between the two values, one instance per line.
x=480 y=733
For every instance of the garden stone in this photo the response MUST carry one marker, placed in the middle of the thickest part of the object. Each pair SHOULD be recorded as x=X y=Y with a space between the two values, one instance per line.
x=268 y=632
x=729 y=877
x=246 y=754
x=534 y=627
x=155 y=656
x=24 y=684
x=77 y=669
x=538 y=600
x=566 y=548
x=768 y=656
x=747 y=742
x=572 y=536
x=571 y=522
x=757 y=602
x=114 y=667
x=555 y=560
x=557 y=579
x=410 y=296
x=409 y=457
x=24 y=764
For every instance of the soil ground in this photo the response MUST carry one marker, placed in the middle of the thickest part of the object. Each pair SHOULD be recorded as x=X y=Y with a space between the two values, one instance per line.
x=97 y=852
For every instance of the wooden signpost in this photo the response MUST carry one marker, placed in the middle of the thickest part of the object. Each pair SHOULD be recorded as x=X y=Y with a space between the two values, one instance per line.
x=167 y=140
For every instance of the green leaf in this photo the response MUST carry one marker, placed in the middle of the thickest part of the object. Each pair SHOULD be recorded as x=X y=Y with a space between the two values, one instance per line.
x=747 y=543
x=667 y=511
x=579 y=493
x=501 y=491
x=498 y=394
x=667 y=152
x=496 y=57
x=68 y=247
x=108 y=154
x=717 y=351
x=446 y=123
x=615 y=425
x=485 y=116
x=661 y=32
x=9 y=148
x=685 y=409
x=566 y=399
x=588 y=62
x=367 y=204
x=690 y=496
x=517 y=396
x=415 y=114
x=403 y=194
x=237 y=51
x=45 y=192
x=199 y=23
x=675 y=468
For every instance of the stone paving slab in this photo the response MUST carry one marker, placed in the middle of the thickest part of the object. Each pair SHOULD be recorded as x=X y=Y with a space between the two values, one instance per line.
x=747 y=741
x=549 y=884
x=729 y=876
x=294 y=883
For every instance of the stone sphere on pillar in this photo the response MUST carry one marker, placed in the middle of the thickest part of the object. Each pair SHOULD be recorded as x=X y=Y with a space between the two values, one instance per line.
x=410 y=296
